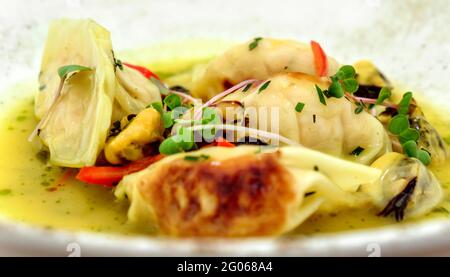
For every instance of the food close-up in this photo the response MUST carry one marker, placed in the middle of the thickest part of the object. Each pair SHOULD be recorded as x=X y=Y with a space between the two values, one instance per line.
x=269 y=137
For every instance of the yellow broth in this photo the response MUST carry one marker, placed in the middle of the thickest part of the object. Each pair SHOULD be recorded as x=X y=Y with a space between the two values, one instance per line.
x=34 y=192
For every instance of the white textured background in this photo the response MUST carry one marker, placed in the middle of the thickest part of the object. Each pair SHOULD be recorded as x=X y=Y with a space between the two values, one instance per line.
x=408 y=39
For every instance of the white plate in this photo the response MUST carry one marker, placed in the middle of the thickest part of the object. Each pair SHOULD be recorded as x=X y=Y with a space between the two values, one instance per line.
x=409 y=40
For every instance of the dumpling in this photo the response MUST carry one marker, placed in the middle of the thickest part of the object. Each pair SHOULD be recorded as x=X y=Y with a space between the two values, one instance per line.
x=333 y=128
x=205 y=193
x=76 y=124
x=270 y=57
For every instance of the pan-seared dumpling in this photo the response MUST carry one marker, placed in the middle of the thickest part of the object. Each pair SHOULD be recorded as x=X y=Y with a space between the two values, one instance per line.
x=333 y=128
x=239 y=63
x=76 y=123
x=242 y=191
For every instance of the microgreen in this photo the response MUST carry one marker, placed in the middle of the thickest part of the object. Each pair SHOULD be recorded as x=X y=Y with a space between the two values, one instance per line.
x=385 y=93
x=172 y=101
x=408 y=137
x=64 y=71
x=157 y=106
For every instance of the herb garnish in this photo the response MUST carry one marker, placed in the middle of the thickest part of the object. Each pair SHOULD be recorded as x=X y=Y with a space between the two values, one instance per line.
x=321 y=95
x=359 y=107
x=299 y=107
x=202 y=157
x=247 y=87
x=357 y=151
x=117 y=62
x=64 y=71
x=408 y=137
x=157 y=106
x=172 y=101
x=385 y=93
x=264 y=86
x=254 y=43
x=309 y=193
x=343 y=81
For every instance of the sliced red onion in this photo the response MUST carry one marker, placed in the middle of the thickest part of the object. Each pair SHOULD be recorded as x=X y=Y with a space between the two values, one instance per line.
x=222 y=95
x=370 y=101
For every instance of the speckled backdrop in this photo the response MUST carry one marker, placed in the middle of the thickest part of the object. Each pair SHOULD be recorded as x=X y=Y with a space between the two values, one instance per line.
x=409 y=40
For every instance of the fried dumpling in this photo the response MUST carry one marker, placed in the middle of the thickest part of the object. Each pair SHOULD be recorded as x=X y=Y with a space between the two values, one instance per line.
x=333 y=128
x=239 y=63
x=242 y=191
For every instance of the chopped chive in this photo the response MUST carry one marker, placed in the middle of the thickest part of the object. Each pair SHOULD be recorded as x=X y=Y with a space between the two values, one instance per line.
x=309 y=193
x=196 y=158
x=359 y=108
x=299 y=107
x=254 y=43
x=357 y=151
x=247 y=87
x=321 y=96
x=264 y=86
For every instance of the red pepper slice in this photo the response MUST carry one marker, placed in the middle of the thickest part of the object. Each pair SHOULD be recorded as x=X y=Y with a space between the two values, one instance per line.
x=224 y=143
x=108 y=176
x=320 y=59
x=145 y=71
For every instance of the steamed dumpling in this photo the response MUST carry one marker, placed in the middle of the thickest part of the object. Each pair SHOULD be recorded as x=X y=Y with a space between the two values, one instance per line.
x=270 y=57
x=333 y=128
x=269 y=193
